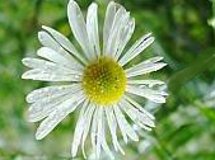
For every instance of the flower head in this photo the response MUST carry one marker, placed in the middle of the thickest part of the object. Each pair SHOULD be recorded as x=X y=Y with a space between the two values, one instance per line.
x=96 y=81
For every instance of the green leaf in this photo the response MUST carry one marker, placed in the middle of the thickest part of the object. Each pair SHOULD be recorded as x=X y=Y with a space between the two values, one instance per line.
x=201 y=64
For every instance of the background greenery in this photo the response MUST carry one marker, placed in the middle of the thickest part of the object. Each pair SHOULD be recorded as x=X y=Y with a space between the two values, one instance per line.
x=184 y=36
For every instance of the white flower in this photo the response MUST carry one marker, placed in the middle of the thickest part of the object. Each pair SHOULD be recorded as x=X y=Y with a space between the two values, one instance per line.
x=96 y=81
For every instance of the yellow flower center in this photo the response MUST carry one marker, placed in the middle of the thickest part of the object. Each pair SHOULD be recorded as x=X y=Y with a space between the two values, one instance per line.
x=104 y=81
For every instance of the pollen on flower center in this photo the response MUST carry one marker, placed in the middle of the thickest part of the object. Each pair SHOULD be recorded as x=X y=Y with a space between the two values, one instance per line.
x=104 y=81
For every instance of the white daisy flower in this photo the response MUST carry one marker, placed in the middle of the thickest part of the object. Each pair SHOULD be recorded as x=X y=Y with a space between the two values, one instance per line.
x=95 y=81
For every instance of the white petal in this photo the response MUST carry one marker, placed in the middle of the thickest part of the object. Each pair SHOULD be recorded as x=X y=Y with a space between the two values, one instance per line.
x=145 y=67
x=78 y=26
x=92 y=28
x=64 y=57
x=47 y=41
x=104 y=142
x=112 y=124
x=57 y=116
x=125 y=36
x=138 y=117
x=139 y=107
x=99 y=131
x=114 y=45
x=45 y=106
x=60 y=57
x=64 y=42
x=54 y=56
x=121 y=126
x=137 y=48
x=87 y=126
x=152 y=95
x=37 y=63
x=41 y=75
x=94 y=129
x=147 y=62
x=124 y=126
x=109 y=18
x=150 y=82
x=79 y=129
x=49 y=92
x=120 y=18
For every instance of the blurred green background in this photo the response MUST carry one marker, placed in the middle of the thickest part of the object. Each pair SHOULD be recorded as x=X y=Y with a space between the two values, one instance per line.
x=184 y=31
